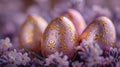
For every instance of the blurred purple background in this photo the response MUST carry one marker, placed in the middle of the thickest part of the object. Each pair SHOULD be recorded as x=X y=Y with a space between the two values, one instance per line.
x=14 y=12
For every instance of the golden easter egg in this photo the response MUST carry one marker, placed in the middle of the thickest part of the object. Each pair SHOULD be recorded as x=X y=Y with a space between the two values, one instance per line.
x=31 y=33
x=101 y=31
x=77 y=20
x=60 y=36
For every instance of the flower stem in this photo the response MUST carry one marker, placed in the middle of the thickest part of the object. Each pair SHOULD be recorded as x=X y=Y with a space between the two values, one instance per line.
x=33 y=53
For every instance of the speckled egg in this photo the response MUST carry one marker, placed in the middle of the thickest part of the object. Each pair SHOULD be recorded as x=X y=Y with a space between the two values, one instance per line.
x=76 y=19
x=60 y=36
x=101 y=31
x=31 y=32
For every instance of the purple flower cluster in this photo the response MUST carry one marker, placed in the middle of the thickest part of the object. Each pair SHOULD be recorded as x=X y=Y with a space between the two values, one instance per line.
x=58 y=60
x=14 y=57
x=89 y=55
x=10 y=56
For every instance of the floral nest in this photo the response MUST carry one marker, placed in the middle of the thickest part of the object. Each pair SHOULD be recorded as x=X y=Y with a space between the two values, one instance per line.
x=91 y=56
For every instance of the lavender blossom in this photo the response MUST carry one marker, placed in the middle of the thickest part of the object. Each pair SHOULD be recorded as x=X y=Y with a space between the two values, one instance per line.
x=57 y=59
x=5 y=45
x=18 y=58
x=91 y=54
x=3 y=60
x=115 y=53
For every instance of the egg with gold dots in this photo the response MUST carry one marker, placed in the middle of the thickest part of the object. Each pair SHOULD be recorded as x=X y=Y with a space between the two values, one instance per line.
x=31 y=33
x=77 y=19
x=60 y=36
x=101 y=31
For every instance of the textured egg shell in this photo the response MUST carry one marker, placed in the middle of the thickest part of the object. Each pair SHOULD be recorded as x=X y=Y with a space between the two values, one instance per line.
x=31 y=32
x=101 y=31
x=60 y=36
x=77 y=20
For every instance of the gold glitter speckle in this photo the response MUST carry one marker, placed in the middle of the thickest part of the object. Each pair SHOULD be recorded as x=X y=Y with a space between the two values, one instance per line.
x=62 y=40
x=86 y=35
x=51 y=44
x=99 y=37
x=64 y=47
x=111 y=35
x=73 y=38
x=105 y=31
x=101 y=22
x=62 y=31
x=106 y=42
x=69 y=27
x=53 y=26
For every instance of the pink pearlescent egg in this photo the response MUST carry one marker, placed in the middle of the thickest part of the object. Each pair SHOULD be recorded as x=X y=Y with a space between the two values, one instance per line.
x=31 y=33
x=77 y=20
x=101 y=31
x=60 y=36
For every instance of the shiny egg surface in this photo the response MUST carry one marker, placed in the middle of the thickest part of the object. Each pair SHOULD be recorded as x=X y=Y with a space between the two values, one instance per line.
x=60 y=36
x=31 y=32
x=101 y=31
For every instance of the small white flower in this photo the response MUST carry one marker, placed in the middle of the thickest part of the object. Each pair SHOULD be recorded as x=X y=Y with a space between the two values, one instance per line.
x=23 y=58
x=18 y=58
x=57 y=58
x=5 y=44
x=13 y=57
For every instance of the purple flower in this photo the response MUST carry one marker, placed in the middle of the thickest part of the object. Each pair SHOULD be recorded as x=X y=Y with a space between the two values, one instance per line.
x=5 y=45
x=18 y=58
x=23 y=58
x=57 y=59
